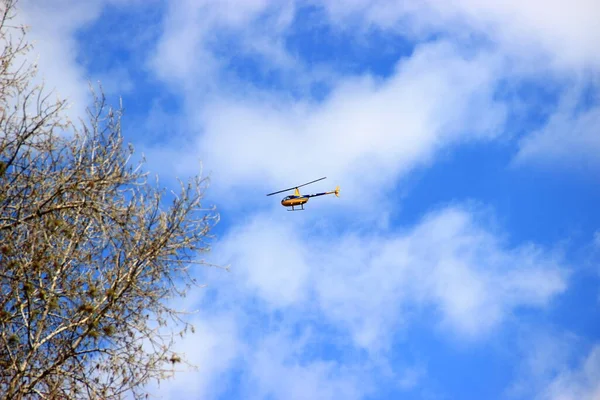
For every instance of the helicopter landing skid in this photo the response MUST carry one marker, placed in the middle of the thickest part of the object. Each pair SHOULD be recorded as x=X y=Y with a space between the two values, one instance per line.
x=297 y=209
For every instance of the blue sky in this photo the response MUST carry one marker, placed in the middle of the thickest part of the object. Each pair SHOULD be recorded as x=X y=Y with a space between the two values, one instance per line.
x=461 y=260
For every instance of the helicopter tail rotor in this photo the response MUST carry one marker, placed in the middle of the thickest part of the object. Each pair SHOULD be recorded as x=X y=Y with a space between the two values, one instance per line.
x=337 y=191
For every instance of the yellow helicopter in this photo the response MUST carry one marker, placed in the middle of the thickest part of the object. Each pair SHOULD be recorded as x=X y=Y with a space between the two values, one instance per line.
x=298 y=199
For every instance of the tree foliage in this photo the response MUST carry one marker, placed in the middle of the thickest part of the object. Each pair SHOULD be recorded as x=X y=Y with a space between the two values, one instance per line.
x=90 y=255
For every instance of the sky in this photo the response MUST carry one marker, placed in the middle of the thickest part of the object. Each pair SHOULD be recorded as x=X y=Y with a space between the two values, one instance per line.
x=462 y=258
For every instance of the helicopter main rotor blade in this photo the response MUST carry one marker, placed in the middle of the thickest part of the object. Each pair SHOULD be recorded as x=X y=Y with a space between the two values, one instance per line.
x=296 y=187
x=281 y=191
x=316 y=180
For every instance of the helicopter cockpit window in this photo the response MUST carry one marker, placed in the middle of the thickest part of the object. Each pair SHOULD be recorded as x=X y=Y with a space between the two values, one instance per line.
x=288 y=197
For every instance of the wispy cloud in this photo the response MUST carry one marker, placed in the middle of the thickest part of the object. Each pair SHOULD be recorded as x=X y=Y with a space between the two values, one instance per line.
x=570 y=139
x=581 y=382
x=410 y=110
x=291 y=298
x=213 y=348
x=52 y=29
x=448 y=262
x=205 y=28
x=566 y=32
x=366 y=134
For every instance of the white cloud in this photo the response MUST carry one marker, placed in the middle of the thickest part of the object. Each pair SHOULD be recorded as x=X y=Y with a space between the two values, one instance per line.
x=539 y=39
x=566 y=32
x=554 y=365
x=278 y=272
x=570 y=139
x=581 y=383
x=391 y=125
x=185 y=54
x=284 y=287
x=276 y=371
x=450 y=263
x=367 y=283
x=366 y=134
x=212 y=349
x=53 y=25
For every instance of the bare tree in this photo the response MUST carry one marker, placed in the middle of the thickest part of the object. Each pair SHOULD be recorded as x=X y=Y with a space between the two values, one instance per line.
x=90 y=254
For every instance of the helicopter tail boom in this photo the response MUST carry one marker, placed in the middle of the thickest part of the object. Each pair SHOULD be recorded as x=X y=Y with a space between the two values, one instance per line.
x=336 y=192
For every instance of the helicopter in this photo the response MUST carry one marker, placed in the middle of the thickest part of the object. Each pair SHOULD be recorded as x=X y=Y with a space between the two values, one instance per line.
x=298 y=199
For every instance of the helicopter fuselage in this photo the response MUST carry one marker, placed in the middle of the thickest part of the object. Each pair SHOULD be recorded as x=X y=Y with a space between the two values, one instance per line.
x=292 y=201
